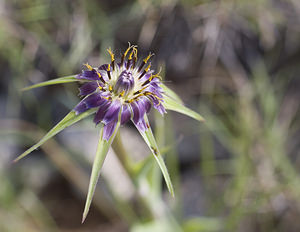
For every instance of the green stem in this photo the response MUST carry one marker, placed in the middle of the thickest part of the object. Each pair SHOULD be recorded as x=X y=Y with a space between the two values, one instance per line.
x=126 y=162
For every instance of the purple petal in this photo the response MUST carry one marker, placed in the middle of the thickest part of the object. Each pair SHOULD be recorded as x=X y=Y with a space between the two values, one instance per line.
x=157 y=104
x=154 y=90
x=88 y=75
x=161 y=109
x=146 y=76
x=103 y=67
x=91 y=101
x=101 y=112
x=80 y=108
x=136 y=112
x=88 y=88
x=141 y=125
x=112 y=112
x=144 y=105
x=126 y=114
x=94 y=100
x=108 y=130
x=147 y=104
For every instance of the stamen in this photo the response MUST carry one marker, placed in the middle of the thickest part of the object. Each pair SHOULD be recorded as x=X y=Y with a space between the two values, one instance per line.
x=156 y=75
x=100 y=77
x=147 y=81
x=134 y=58
x=88 y=66
x=145 y=61
x=110 y=88
x=152 y=94
x=139 y=91
x=112 y=56
x=144 y=72
x=125 y=53
x=122 y=94
x=108 y=71
x=130 y=56
x=99 y=86
x=107 y=98
x=152 y=77
x=148 y=67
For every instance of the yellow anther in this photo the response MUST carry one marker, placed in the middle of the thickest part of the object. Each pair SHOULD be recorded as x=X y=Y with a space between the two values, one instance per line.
x=156 y=75
x=107 y=98
x=108 y=68
x=148 y=57
x=143 y=89
x=148 y=67
x=99 y=86
x=130 y=55
x=151 y=77
x=99 y=75
x=110 y=88
x=112 y=55
x=127 y=50
x=135 y=51
x=122 y=94
x=88 y=66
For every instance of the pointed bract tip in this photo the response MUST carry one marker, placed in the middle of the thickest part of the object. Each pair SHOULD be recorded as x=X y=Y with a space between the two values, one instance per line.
x=83 y=219
x=84 y=215
x=15 y=160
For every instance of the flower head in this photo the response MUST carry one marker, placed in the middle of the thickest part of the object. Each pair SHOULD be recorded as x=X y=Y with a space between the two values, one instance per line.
x=121 y=90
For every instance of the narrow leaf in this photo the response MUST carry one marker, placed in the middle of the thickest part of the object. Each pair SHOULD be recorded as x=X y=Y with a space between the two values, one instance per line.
x=101 y=153
x=60 y=80
x=151 y=142
x=171 y=104
x=68 y=120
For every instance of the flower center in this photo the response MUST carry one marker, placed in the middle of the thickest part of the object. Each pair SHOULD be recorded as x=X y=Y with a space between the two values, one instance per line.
x=125 y=83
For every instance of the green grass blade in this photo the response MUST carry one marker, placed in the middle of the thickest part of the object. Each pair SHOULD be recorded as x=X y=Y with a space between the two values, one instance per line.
x=101 y=153
x=169 y=92
x=60 y=80
x=151 y=142
x=68 y=120
x=171 y=104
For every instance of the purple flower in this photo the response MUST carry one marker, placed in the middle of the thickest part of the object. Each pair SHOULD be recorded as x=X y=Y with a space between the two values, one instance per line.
x=121 y=91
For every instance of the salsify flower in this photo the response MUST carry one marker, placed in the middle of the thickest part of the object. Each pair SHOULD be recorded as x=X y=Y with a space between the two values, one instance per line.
x=117 y=93
x=121 y=91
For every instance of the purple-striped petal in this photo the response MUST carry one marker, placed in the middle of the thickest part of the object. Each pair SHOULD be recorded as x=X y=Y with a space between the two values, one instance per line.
x=103 y=67
x=141 y=125
x=101 y=112
x=108 y=130
x=112 y=112
x=154 y=90
x=136 y=112
x=88 y=75
x=161 y=109
x=126 y=114
x=147 y=104
x=144 y=105
x=88 y=88
x=146 y=76
x=91 y=101
x=157 y=104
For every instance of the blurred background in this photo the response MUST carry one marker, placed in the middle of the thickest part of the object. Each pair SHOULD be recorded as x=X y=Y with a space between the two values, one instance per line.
x=236 y=62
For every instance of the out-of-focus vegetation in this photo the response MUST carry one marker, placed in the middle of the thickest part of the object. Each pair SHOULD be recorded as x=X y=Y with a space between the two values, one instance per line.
x=236 y=62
